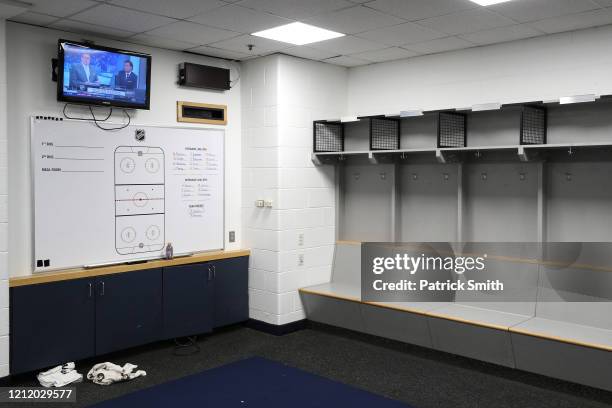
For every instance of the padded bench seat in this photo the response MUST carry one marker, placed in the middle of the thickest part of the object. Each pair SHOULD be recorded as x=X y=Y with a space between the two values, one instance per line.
x=478 y=316
x=345 y=291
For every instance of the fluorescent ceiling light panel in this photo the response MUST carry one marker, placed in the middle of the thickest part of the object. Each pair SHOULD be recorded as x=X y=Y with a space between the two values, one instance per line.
x=489 y=2
x=298 y=34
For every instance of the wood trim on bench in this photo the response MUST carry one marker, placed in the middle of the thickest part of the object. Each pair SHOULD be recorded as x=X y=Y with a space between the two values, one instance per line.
x=396 y=308
x=77 y=273
x=330 y=295
x=560 y=339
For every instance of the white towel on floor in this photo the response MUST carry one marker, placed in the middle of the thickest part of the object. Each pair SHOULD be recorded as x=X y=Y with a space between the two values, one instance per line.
x=109 y=373
x=59 y=376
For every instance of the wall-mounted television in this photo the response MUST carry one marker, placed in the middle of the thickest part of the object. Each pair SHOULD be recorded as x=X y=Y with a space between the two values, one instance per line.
x=94 y=75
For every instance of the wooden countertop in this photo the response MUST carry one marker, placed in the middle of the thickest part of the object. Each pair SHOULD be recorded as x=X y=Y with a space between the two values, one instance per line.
x=77 y=273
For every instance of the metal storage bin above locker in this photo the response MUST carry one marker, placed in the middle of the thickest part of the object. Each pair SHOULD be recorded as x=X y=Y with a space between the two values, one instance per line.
x=328 y=136
x=384 y=133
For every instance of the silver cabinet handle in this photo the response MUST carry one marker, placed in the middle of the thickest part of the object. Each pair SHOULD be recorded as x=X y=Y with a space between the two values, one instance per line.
x=214 y=271
x=209 y=273
x=90 y=289
x=103 y=289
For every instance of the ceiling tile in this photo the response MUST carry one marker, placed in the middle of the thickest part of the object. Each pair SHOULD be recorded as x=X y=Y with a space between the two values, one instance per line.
x=440 y=45
x=387 y=54
x=309 y=53
x=296 y=9
x=353 y=20
x=261 y=45
x=523 y=11
x=241 y=19
x=402 y=34
x=419 y=9
x=347 y=61
x=502 y=34
x=467 y=21
x=60 y=8
x=11 y=10
x=192 y=32
x=88 y=28
x=34 y=18
x=347 y=45
x=160 y=42
x=177 y=9
x=122 y=18
x=218 y=52
x=577 y=21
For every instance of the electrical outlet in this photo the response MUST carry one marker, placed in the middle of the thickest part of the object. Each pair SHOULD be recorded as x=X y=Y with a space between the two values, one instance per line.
x=232 y=236
x=301 y=239
x=301 y=260
x=259 y=203
x=268 y=203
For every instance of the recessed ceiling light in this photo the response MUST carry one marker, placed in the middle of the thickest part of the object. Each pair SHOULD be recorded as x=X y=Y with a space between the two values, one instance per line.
x=489 y=2
x=298 y=34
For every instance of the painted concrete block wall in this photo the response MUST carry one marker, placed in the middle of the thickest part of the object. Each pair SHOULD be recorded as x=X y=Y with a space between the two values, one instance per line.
x=4 y=294
x=571 y=63
x=292 y=242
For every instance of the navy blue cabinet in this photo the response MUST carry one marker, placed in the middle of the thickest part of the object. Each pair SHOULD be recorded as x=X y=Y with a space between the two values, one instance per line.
x=231 y=301
x=51 y=323
x=128 y=309
x=188 y=294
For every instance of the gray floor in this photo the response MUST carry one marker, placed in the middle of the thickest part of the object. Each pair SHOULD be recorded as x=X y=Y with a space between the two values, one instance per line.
x=420 y=377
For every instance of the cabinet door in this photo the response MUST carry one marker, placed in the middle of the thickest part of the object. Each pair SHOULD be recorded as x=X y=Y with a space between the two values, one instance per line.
x=231 y=301
x=187 y=300
x=51 y=323
x=128 y=309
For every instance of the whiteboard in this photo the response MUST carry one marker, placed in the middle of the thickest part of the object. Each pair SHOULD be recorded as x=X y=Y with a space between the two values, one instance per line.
x=104 y=197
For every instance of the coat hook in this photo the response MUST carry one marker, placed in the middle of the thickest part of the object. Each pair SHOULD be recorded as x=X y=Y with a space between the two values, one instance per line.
x=570 y=152
x=477 y=154
x=403 y=156
x=568 y=176
x=415 y=176
x=483 y=176
x=383 y=176
x=522 y=176
x=341 y=158
x=356 y=176
x=446 y=177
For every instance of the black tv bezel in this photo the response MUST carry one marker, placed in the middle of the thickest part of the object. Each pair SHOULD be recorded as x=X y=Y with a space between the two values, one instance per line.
x=93 y=101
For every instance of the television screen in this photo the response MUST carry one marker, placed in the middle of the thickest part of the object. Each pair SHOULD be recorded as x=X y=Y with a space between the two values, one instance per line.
x=95 y=75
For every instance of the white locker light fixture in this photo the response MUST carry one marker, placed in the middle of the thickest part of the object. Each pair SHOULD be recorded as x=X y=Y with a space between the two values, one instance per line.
x=578 y=99
x=489 y=2
x=411 y=113
x=486 y=107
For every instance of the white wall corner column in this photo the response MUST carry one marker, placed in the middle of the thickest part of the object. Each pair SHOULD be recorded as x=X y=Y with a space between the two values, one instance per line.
x=292 y=240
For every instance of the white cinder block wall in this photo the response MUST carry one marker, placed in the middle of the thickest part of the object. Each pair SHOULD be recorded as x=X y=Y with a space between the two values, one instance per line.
x=4 y=294
x=292 y=242
x=541 y=68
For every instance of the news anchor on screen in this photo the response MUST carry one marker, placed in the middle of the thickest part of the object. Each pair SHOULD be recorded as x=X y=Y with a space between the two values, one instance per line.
x=83 y=72
x=126 y=79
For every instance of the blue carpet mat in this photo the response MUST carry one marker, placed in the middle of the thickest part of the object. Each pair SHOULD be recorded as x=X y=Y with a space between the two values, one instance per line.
x=254 y=383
